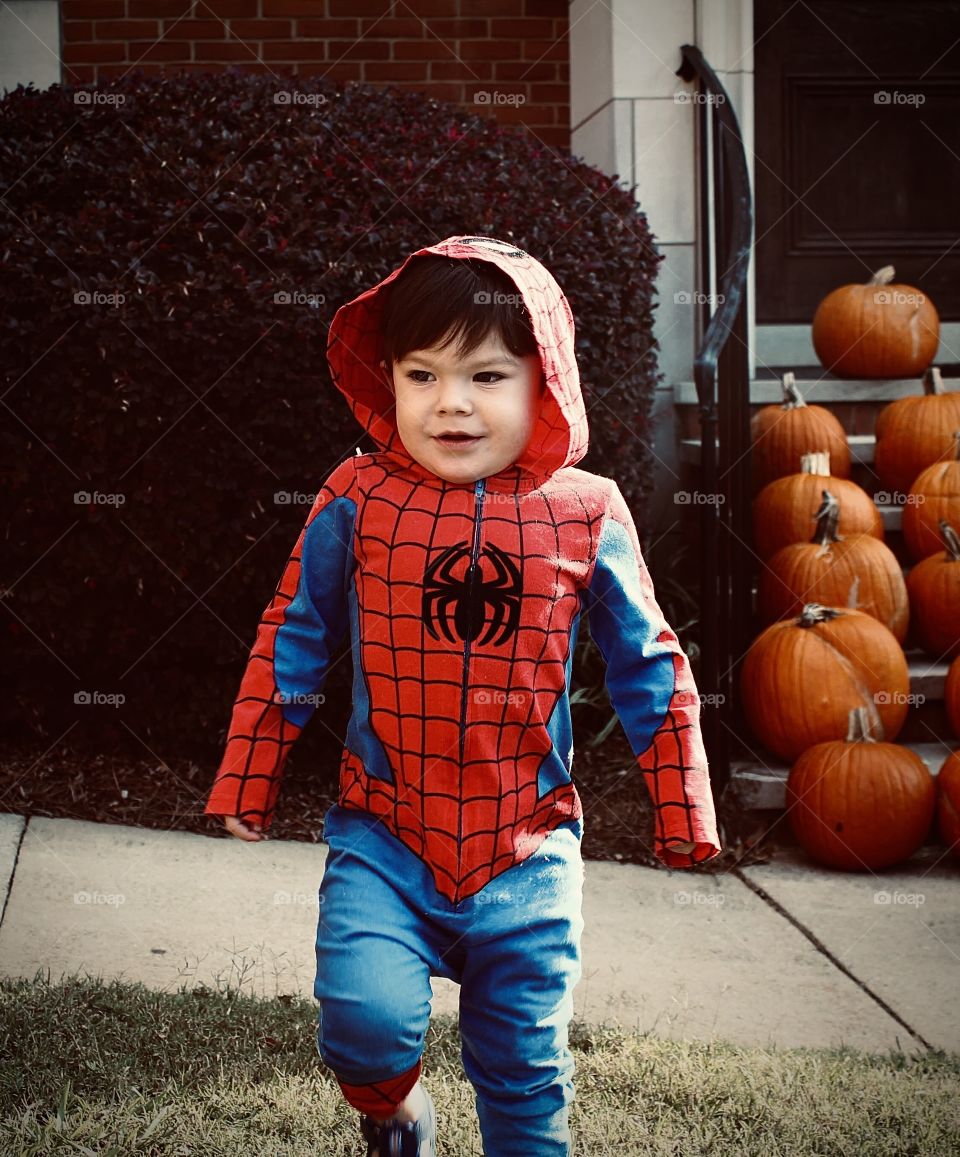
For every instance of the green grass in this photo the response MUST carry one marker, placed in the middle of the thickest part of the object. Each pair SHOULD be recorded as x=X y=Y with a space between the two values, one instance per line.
x=89 y=1067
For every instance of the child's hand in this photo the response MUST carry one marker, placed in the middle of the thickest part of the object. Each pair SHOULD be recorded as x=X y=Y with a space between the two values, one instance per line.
x=236 y=827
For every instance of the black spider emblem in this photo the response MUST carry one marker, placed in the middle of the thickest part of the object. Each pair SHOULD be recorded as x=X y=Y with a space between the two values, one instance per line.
x=465 y=600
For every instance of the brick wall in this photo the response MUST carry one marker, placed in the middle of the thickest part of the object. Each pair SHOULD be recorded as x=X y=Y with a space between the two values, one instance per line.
x=505 y=58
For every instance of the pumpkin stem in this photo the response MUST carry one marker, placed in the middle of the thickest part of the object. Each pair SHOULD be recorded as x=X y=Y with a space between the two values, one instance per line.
x=814 y=613
x=883 y=276
x=860 y=726
x=816 y=463
x=951 y=540
x=792 y=398
x=932 y=381
x=828 y=519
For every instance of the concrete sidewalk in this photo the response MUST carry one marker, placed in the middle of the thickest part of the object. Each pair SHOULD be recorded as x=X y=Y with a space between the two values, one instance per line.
x=785 y=953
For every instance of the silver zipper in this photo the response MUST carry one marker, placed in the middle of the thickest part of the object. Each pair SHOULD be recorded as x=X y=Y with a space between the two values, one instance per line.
x=472 y=575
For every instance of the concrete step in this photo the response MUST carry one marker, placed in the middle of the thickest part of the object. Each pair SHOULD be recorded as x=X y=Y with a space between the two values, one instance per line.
x=862 y=449
x=756 y=784
x=818 y=386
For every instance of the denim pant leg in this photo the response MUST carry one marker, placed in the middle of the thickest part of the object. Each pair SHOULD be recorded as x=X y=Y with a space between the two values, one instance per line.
x=521 y=965
x=374 y=959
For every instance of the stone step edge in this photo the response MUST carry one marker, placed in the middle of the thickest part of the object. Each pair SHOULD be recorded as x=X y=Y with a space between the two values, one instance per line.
x=764 y=786
x=767 y=391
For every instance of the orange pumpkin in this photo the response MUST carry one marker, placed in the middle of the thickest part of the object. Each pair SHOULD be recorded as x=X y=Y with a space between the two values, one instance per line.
x=934 y=588
x=914 y=433
x=948 y=803
x=860 y=804
x=784 y=509
x=878 y=330
x=801 y=678
x=860 y=572
x=934 y=496
x=951 y=696
x=781 y=434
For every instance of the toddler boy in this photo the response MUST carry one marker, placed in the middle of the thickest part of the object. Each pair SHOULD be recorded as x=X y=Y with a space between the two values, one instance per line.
x=460 y=557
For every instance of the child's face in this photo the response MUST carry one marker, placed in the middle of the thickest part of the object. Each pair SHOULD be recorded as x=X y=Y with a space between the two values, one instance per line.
x=492 y=395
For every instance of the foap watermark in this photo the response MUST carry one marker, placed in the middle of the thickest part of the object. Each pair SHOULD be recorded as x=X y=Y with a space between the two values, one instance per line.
x=897 y=297
x=705 y=699
x=298 y=297
x=698 y=899
x=285 y=698
x=485 y=896
x=883 y=698
x=97 y=498
x=85 y=297
x=497 y=96
x=895 y=96
x=695 y=297
x=289 y=899
x=502 y=698
x=107 y=899
x=99 y=699
x=900 y=899
x=482 y=297
x=93 y=96
x=685 y=97
x=291 y=96
x=898 y=498
x=697 y=498
x=293 y=498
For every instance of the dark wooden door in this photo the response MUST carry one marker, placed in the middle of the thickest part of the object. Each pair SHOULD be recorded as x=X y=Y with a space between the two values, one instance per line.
x=857 y=149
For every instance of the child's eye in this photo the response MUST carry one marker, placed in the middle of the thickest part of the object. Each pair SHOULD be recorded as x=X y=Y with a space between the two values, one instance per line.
x=413 y=374
x=490 y=374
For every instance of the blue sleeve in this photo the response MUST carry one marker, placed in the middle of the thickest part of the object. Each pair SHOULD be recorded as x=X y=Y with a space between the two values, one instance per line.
x=652 y=690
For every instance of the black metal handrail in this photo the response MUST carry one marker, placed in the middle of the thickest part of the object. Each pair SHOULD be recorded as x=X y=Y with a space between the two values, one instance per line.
x=721 y=371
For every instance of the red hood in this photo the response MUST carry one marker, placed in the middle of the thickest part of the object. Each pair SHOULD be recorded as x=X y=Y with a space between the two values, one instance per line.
x=560 y=436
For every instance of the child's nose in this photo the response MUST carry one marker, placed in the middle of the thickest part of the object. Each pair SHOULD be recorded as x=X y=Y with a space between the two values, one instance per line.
x=453 y=395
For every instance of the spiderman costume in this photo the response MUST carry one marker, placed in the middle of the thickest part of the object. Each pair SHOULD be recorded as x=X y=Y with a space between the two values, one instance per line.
x=463 y=603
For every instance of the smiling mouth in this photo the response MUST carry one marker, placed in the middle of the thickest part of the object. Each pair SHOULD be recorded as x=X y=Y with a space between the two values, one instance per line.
x=457 y=439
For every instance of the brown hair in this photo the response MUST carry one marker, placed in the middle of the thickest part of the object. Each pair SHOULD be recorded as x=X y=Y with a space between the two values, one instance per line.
x=437 y=300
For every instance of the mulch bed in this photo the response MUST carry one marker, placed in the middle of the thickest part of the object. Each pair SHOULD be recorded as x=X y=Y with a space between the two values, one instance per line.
x=64 y=783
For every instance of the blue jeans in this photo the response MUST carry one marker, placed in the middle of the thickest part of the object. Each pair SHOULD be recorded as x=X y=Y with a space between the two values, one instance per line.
x=514 y=948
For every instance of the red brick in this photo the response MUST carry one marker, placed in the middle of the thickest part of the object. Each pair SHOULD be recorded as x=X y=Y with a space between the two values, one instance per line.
x=359 y=7
x=389 y=70
x=487 y=7
x=556 y=138
x=294 y=50
x=550 y=93
x=74 y=30
x=262 y=29
x=296 y=8
x=428 y=8
x=92 y=9
x=455 y=70
x=221 y=50
x=526 y=70
x=143 y=9
x=452 y=92
x=160 y=51
x=522 y=29
x=411 y=28
x=226 y=8
x=538 y=50
x=456 y=29
x=127 y=29
x=196 y=30
x=488 y=50
x=79 y=73
x=327 y=28
x=422 y=50
x=346 y=70
x=558 y=8
x=93 y=52
x=368 y=49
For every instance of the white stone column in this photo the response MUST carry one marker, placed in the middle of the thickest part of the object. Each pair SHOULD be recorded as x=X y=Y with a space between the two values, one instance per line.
x=29 y=43
x=630 y=117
